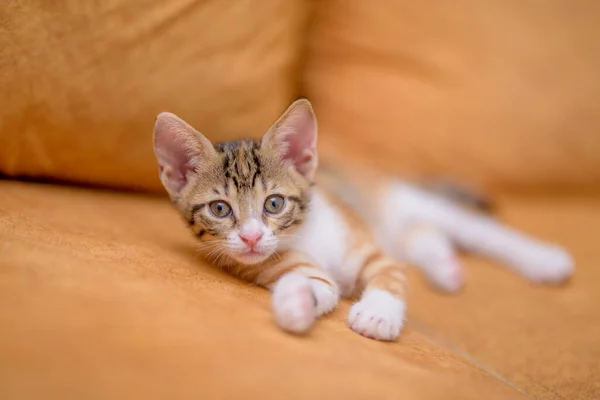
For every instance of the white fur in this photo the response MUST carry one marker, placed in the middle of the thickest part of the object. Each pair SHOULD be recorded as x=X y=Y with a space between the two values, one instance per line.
x=378 y=315
x=324 y=234
x=408 y=208
x=293 y=303
x=327 y=297
x=433 y=252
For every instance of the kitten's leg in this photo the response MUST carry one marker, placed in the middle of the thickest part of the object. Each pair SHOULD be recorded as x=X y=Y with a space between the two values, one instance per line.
x=301 y=291
x=379 y=314
x=430 y=250
x=536 y=260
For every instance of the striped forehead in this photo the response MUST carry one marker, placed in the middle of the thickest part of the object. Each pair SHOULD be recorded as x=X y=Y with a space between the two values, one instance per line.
x=241 y=164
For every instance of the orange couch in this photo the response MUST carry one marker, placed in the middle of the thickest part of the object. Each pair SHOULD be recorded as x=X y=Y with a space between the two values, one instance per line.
x=102 y=292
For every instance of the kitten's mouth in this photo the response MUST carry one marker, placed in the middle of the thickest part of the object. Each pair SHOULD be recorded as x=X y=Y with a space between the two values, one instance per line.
x=252 y=256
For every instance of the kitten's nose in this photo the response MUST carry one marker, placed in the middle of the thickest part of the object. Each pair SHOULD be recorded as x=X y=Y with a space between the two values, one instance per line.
x=250 y=238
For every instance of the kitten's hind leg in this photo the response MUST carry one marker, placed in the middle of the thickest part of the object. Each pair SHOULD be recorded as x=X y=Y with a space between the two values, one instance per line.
x=431 y=250
x=301 y=291
x=379 y=314
x=534 y=259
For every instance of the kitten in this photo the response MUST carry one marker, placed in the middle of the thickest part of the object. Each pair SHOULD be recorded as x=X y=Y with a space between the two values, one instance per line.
x=259 y=213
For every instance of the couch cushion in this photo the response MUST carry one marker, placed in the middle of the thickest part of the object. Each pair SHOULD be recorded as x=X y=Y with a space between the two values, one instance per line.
x=500 y=92
x=83 y=81
x=102 y=295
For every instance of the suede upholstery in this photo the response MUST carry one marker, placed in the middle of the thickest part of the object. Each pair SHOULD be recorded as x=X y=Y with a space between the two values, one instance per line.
x=103 y=296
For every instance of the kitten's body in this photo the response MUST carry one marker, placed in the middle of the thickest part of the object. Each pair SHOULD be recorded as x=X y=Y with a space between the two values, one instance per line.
x=425 y=229
x=260 y=214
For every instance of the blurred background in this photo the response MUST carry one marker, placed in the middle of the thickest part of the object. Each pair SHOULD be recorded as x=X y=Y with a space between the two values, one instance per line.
x=497 y=93
x=102 y=294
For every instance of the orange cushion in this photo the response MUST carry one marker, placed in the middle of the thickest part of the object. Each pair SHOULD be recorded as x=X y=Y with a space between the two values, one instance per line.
x=106 y=297
x=500 y=92
x=82 y=82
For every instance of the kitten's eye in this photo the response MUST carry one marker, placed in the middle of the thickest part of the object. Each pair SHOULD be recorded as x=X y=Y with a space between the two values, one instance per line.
x=274 y=204
x=220 y=209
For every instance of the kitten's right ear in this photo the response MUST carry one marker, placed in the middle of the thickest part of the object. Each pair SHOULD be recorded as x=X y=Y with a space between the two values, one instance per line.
x=180 y=150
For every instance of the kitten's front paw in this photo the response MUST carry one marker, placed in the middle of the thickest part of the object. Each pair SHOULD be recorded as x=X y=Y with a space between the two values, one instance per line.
x=378 y=315
x=294 y=303
x=547 y=264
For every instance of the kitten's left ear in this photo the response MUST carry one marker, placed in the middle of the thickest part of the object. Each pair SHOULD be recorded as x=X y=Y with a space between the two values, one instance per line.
x=294 y=137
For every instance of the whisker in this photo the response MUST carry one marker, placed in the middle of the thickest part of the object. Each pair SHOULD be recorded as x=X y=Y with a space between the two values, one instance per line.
x=215 y=250
x=217 y=257
x=205 y=249
x=212 y=243
x=213 y=253
x=221 y=259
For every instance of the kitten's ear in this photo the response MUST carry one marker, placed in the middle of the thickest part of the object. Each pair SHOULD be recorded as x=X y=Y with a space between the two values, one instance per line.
x=180 y=150
x=294 y=137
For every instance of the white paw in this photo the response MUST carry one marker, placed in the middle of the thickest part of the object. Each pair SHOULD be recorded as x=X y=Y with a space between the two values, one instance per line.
x=446 y=275
x=547 y=264
x=378 y=315
x=294 y=303
x=327 y=297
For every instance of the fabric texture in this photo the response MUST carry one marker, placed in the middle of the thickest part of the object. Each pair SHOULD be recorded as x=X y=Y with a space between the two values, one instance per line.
x=495 y=93
x=82 y=82
x=102 y=295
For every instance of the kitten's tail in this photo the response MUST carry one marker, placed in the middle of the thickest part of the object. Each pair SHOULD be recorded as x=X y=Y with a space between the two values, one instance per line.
x=459 y=194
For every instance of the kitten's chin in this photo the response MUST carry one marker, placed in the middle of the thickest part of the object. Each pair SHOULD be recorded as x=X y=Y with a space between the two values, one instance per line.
x=250 y=258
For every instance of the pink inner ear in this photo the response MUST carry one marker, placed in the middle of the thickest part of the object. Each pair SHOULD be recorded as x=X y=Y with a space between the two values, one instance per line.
x=174 y=152
x=299 y=151
x=299 y=136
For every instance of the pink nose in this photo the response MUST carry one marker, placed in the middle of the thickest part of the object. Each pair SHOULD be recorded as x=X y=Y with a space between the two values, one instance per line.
x=251 y=238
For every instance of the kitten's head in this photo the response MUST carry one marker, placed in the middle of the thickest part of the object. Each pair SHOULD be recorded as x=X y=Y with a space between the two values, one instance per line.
x=244 y=198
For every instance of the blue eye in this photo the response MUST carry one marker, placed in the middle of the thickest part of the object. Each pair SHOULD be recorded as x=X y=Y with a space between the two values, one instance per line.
x=274 y=204
x=220 y=209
